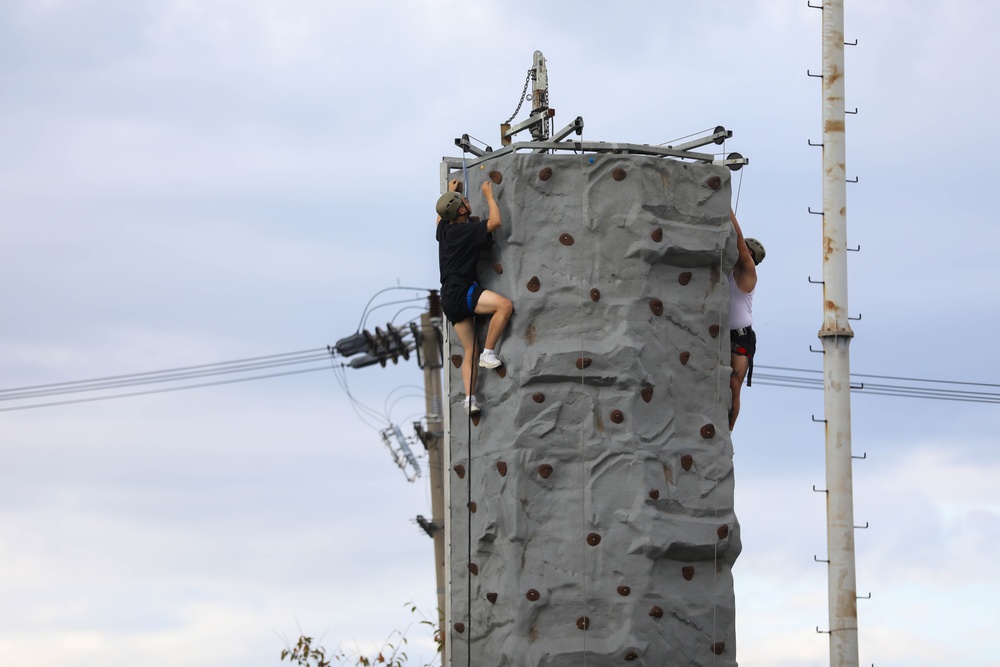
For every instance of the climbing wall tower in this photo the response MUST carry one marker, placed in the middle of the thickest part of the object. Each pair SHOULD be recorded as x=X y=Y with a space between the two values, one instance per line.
x=590 y=505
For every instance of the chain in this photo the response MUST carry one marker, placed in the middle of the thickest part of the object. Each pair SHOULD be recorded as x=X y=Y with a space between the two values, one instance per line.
x=524 y=93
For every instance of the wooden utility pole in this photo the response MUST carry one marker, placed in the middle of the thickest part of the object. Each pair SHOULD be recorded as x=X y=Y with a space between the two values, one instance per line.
x=433 y=437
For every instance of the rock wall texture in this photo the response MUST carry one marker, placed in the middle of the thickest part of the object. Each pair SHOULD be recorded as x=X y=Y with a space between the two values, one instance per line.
x=591 y=506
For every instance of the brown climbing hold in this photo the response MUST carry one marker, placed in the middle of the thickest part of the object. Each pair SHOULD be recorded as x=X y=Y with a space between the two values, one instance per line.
x=496 y=176
x=593 y=539
x=647 y=394
x=656 y=612
x=687 y=461
x=545 y=470
x=708 y=431
x=631 y=656
x=714 y=182
x=492 y=597
x=498 y=267
x=654 y=494
x=460 y=628
x=687 y=572
x=472 y=506
x=617 y=416
x=583 y=623
x=624 y=591
x=583 y=362
x=501 y=371
x=565 y=239
x=656 y=306
x=545 y=174
x=713 y=331
x=718 y=648
x=476 y=417
x=502 y=468
x=657 y=234
x=456 y=360
x=460 y=469
x=538 y=398
x=684 y=358
x=723 y=532
x=474 y=569
x=534 y=285
x=684 y=278
x=595 y=294
x=532 y=595
x=618 y=174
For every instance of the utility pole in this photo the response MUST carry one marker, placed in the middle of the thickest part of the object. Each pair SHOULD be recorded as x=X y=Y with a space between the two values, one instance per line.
x=433 y=437
x=836 y=336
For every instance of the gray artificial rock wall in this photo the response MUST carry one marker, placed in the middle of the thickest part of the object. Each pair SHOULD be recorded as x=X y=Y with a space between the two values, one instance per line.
x=591 y=519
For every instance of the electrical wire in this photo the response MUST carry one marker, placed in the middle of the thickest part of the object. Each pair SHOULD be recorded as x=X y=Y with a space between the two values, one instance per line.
x=805 y=379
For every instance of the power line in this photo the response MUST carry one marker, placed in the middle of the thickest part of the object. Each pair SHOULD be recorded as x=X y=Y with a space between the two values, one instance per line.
x=806 y=379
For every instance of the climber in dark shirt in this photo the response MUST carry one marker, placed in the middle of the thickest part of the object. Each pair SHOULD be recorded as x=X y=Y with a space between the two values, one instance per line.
x=460 y=239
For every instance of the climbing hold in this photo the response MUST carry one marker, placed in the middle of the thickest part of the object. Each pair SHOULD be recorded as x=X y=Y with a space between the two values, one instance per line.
x=583 y=623
x=647 y=394
x=618 y=174
x=656 y=612
x=708 y=431
x=496 y=177
x=460 y=628
x=456 y=360
x=583 y=362
x=684 y=358
x=472 y=506
x=687 y=461
x=498 y=267
x=684 y=278
x=657 y=234
x=545 y=470
x=713 y=331
x=460 y=469
x=654 y=494
x=538 y=398
x=714 y=182
x=501 y=371
x=593 y=539
x=545 y=174
x=591 y=160
x=617 y=416
x=595 y=294
x=534 y=285
x=502 y=468
x=624 y=591
x=718 y=648
x=492 y=597
x=474 y=569
x=476 y=417
x=565 y=239
x=723 y=532
x=656 y=306
x=532 y=595
x=687 y=572
x=631 y=656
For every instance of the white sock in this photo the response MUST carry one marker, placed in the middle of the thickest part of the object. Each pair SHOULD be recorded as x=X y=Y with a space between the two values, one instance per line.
x=485 y=350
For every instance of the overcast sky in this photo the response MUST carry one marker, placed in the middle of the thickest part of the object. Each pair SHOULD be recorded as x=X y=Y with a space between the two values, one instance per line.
x=184 y=183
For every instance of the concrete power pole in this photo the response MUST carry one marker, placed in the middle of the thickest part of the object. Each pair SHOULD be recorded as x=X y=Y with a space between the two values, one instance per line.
x=836 y=336
x=430 y=325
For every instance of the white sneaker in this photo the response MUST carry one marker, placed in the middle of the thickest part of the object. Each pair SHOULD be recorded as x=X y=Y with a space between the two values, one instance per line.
x=471 y=406
x=489 y=359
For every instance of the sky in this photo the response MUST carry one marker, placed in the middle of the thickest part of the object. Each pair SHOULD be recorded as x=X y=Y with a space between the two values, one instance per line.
x=186 y=183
